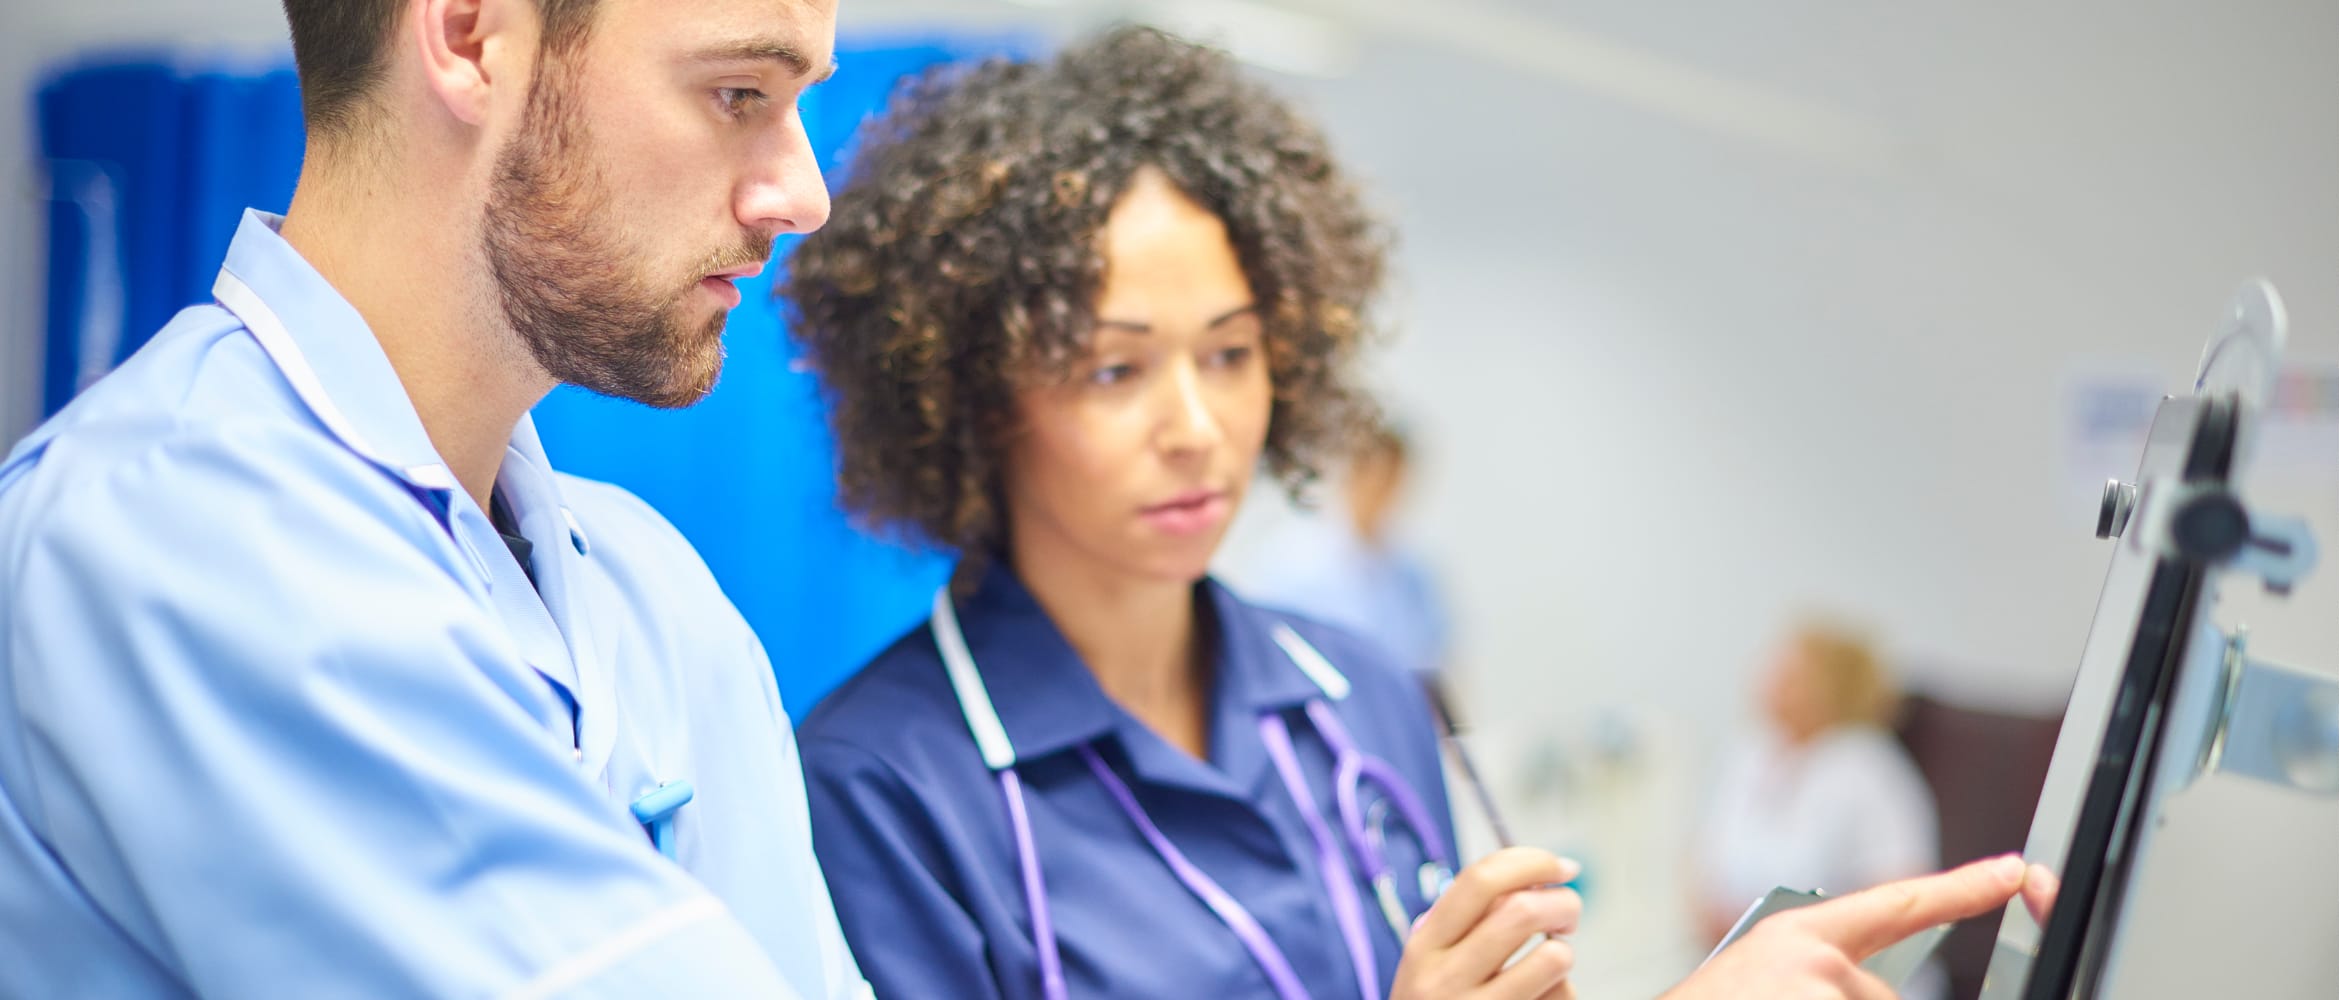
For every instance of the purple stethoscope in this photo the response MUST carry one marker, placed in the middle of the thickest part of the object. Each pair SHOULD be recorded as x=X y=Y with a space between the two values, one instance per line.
x=1362 y=827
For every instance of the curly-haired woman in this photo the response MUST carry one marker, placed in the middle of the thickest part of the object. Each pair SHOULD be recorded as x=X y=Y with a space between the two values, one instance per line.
x=1066 y=312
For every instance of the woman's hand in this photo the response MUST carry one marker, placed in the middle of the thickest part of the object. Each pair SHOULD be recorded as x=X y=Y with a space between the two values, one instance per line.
x=1493 y=909
x=1815 y=953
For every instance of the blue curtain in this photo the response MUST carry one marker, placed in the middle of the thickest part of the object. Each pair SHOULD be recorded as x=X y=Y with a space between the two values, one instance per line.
x=146 y=156
x=152 y=158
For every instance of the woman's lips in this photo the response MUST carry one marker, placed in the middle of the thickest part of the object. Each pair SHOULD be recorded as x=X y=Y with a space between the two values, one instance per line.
x=1190 y=513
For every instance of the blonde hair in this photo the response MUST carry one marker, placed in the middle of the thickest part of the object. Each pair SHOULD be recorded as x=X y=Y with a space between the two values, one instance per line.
x=1853 y=685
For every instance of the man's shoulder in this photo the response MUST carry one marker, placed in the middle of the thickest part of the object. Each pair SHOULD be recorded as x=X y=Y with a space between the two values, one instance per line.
x=234 y=470
x=616 y=511
x=200 y=436
x=648 y=571
x=623 y=532
x=203 y=359
x=199 y=385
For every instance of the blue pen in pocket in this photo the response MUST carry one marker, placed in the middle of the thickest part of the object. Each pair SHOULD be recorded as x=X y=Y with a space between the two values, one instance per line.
x=655 y=811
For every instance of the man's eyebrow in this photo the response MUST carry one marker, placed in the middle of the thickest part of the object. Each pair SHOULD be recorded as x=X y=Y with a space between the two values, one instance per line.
x=765 y=50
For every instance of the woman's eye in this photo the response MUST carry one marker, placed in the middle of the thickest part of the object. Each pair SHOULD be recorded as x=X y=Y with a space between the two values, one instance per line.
x=739 y=101
x=1232 y=357
x=1113 y=374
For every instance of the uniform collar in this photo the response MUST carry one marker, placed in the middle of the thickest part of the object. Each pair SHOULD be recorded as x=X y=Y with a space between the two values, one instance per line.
x=330 y=357
x=328 y=354
x=1268 y=680
x=1048 y=701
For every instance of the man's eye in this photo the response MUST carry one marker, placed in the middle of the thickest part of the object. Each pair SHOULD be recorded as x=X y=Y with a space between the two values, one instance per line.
x=739 y=101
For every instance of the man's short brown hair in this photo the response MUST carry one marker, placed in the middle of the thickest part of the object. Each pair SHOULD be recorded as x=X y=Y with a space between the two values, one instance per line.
x=341 y=46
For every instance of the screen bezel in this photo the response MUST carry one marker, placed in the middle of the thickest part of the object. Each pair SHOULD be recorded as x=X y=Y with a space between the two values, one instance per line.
x=2100 y=853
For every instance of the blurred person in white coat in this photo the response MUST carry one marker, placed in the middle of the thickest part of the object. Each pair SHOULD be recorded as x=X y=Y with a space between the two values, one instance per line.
x=1823 y=798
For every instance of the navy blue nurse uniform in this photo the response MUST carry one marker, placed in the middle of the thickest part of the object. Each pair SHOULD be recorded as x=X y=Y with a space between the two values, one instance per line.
x=913 y=834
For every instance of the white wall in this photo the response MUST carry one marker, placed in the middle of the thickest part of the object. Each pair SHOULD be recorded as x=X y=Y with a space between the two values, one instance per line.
x=1671 y=378
x=1678 y=382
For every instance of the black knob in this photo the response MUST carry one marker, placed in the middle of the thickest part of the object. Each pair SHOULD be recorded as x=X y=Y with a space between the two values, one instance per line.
x=2210 y=527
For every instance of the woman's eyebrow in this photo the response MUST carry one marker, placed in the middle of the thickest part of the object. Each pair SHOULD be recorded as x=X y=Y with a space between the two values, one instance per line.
x=1134 y=326
x=1234 y=314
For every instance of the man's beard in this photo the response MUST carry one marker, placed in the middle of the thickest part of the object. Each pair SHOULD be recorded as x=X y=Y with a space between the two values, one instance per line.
x=578 y=297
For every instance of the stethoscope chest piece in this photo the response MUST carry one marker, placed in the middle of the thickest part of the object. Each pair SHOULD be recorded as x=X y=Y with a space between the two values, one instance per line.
x=1434 y=878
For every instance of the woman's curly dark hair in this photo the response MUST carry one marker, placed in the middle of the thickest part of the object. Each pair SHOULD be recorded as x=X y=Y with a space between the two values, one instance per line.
x=961 y=263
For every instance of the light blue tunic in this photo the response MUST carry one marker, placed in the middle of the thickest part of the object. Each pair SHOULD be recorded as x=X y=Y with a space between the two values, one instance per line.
x=280 y=715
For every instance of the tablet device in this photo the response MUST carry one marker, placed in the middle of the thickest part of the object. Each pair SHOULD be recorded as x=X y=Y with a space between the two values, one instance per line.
x=2097 y=804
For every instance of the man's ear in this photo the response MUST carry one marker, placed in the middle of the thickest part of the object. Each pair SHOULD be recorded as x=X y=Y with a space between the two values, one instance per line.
x=470 y=48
